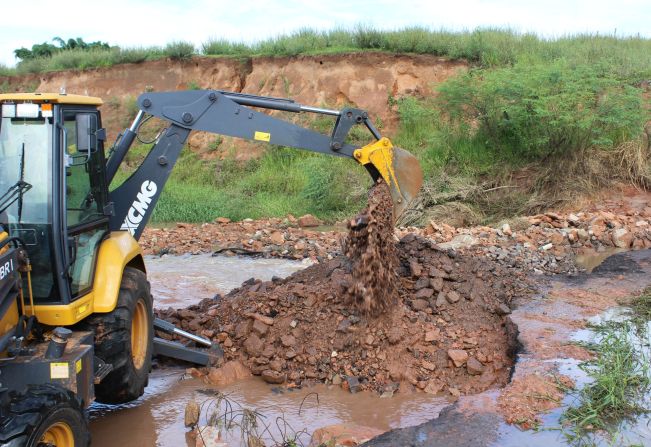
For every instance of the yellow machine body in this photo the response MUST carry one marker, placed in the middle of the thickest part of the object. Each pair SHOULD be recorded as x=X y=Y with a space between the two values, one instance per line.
x=115 y=253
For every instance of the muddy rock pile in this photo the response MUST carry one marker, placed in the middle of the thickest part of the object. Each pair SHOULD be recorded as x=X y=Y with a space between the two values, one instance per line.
x=446 y=330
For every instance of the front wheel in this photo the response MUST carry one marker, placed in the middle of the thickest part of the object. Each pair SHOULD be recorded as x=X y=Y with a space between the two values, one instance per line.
x=124 y=338
x=44 y=416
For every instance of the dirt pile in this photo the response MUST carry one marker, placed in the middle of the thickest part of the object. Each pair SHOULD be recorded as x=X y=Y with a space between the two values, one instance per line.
x=447 y=332
x=371 y=250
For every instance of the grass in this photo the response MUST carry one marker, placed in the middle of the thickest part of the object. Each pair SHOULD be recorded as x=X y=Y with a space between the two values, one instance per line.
x=483 y=47
x=200 y=190
x=620 y=380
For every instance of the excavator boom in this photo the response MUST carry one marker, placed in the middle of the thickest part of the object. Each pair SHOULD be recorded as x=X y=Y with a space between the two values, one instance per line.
x=228 y=113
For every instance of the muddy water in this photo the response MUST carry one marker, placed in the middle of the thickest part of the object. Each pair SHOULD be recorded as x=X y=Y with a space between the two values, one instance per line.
x=156 y=419
x=591 y=259
x=180 y=281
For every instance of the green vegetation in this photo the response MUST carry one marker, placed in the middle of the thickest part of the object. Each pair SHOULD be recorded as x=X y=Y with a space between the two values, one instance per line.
x=533 y=124
x=620 y=380
x=46 y=49
x=484 y=47
x=282 y=181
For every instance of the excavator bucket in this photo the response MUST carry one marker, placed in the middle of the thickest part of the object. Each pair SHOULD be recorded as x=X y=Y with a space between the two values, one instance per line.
x=397 y=167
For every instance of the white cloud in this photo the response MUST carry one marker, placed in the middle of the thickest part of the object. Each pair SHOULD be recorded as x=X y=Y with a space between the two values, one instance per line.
x=149 y=22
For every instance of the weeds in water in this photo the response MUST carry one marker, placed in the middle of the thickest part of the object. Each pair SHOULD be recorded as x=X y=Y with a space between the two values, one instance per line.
x=620 y=380
x=219 y=411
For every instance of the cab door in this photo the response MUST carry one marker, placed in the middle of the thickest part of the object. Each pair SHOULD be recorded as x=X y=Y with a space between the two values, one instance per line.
x=86 y=196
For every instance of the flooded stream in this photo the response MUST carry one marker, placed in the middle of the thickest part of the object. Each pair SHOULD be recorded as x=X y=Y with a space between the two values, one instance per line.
x=157 y=417
x=179 y=281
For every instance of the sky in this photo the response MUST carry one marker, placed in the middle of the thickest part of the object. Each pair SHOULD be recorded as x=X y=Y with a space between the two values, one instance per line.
x=132 y=23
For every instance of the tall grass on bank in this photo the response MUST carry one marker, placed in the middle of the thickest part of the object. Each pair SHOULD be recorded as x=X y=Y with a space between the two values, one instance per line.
x=484 y=47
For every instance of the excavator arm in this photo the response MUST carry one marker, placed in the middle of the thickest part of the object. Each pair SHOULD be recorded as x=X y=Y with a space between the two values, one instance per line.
x=228 y=113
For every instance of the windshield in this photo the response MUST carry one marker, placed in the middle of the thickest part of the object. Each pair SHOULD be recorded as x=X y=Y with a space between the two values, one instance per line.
x=25 y=151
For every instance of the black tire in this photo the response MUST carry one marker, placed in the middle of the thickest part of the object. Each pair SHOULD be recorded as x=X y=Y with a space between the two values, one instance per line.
x=127 y=381
x=25 y=417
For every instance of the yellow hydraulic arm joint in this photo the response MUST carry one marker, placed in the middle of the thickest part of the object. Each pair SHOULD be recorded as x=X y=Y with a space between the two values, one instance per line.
x=399 y=169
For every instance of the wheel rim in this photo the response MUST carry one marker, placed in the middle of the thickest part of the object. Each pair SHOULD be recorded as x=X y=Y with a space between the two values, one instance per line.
x=58 y=435
x=139 y=334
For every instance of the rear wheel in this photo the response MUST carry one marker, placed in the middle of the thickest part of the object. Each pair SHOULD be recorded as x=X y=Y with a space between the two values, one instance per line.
x=124 y=338
x=44 y=416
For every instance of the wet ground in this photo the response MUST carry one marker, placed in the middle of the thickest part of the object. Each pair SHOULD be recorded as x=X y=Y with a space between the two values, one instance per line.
x=157 y=418
x=475 y=420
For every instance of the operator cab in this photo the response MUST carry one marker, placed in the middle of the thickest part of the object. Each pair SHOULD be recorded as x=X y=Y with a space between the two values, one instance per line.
x=53 y=191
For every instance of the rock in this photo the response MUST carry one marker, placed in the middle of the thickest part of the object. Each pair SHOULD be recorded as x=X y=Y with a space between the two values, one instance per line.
x=474 y=366
x=277 y=238
x=222 y=220
x=192 y=413
x=266 y=320
x=502 y=309
x=208 y=436
x=260 y=328
x=229 y=373
x=432 y=388
x=440 y=299
x=308 y=220
x=337 y=380
x=546 y=247
x=242 y=329
x=506 y=229
x=253 y=345
x=428 y=365
x=352 y=383
x=288 y=340
x=419 y=304
x=432 y=335
x=421 y=283
x=460 y=241
x=274 y=377
x=452 y=297
x=436 y=284
x=622 y=238
x=343 y=435
x=415 y=268
x=458 y=356
x=582 y=234
x=424 y=293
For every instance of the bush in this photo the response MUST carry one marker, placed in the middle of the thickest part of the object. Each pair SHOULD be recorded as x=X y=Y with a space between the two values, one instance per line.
x=179 y=50
x=534 y=111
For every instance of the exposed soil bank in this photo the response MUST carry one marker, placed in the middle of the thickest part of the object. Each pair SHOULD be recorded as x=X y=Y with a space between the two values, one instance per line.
x=366 y=80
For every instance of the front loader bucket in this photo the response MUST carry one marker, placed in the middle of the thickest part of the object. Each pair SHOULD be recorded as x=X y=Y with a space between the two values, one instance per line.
x=399 y=168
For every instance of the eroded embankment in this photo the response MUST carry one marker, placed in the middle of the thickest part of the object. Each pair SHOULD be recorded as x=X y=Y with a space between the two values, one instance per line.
x=365 y=80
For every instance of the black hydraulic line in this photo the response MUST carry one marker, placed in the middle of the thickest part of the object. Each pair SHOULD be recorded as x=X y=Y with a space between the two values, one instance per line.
x=7 y=241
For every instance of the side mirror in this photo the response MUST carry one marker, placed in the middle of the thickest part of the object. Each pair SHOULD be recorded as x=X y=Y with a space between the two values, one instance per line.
x=85 y=129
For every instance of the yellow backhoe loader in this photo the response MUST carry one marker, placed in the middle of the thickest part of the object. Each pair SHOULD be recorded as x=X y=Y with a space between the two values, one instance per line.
x=76 y=318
